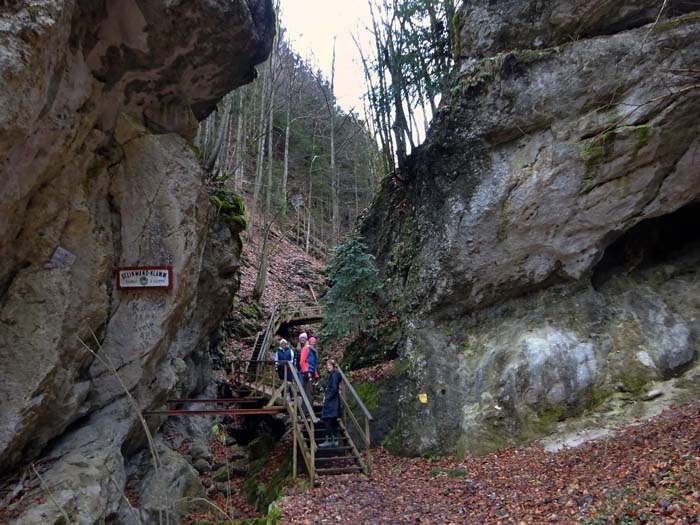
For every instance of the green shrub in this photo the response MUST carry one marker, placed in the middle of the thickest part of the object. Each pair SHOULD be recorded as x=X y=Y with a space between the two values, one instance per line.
x=355 y=288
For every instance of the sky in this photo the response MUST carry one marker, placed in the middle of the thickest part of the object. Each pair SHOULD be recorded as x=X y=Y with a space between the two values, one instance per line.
x=311 y=25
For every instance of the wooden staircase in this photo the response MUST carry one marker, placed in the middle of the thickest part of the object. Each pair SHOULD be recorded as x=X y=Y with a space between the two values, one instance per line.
x=259 y=377
x=340 y=458
x=290 y=313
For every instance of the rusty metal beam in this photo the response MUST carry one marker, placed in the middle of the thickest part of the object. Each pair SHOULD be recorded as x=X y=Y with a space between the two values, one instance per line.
x=219 y=400
x=223 y=411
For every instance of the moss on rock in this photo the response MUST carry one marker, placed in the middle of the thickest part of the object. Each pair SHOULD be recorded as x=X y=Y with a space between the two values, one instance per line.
x=679 y=21
x=540 y=421
x=372 y=347
x=393 y=442
x=634 y=378
x=596 y=150
x=641 y=135
x=230 y=206
x=370 y=393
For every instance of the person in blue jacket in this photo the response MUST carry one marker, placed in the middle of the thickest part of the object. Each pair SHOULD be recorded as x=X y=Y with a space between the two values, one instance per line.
x=283 y=354
x=332 y=409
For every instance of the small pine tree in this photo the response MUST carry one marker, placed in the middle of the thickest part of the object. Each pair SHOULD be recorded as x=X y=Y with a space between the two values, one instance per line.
x=355 y=288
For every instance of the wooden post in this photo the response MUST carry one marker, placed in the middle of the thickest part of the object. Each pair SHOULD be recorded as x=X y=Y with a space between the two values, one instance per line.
x=312 y=446
x=367 y=442
x=294 y=433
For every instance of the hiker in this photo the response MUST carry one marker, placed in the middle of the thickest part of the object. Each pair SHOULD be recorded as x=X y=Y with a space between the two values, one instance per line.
x=297 y=354
x=331 y=406
x=283 y=354
x=308 y=367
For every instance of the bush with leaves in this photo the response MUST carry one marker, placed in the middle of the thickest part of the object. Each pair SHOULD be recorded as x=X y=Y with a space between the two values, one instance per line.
x=355 y=289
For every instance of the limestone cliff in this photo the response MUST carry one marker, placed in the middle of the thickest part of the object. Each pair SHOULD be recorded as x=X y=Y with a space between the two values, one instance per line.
x=98 y=100
x=542 y=247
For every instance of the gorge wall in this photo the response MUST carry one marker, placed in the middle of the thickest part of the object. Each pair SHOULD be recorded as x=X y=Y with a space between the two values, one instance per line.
x=542 y=247
x=98 y=102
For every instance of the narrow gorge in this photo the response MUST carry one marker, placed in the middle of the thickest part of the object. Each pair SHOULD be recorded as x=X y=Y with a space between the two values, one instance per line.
x=537 y=255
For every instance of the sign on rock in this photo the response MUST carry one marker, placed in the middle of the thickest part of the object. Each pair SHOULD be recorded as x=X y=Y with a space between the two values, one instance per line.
x=144 y=277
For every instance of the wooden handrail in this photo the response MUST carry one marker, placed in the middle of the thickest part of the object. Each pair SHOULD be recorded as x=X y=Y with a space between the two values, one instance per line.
x=355 y=396
x=300 y=390
x=349 y=414
x=297 y=406
x=352 y=416
x=292 y=392
x=268 y=335
x=365 y=466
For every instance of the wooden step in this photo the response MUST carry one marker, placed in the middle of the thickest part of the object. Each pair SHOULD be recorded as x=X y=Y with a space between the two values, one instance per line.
x=333 y=449
x=342 y=445
x=325 y=459
x=338 y=470
x=321 y=436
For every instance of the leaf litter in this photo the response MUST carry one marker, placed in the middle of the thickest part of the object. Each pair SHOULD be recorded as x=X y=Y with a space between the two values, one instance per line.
x=647 y=473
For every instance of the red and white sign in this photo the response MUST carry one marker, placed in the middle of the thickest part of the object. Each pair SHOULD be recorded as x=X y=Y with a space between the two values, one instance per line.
x=144 y=277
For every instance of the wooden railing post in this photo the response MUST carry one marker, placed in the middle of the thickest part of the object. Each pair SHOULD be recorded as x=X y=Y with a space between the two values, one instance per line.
x=312 y=443
x=349 y=416
x=367 y=443
x=294 y=433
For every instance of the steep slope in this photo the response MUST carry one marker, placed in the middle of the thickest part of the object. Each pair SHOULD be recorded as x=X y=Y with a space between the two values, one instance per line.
x=98 y=101
x=564 y=156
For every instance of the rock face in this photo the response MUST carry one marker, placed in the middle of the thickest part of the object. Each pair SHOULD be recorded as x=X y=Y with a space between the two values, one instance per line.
x=564 y=156
x=98 y=100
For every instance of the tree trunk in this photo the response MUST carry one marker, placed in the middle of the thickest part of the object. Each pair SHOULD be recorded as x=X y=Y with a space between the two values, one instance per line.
x=240 y=144
x=261 y=278
x=270 y=158
x=335 y=182
x=308 y=206
x=261 y=155
x=285 y=167
x=213 y=150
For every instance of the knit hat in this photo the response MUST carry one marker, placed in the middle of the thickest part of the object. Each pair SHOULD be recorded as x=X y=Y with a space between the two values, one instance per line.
x=303 y=336
x=312 y=341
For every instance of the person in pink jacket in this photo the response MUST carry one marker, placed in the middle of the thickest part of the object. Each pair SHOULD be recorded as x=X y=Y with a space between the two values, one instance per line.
x=308 y=366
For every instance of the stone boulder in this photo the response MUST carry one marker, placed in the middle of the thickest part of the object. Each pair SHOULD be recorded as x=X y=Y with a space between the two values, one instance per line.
x=99 y=99
x=539 y=247
x=174 y=488
x=545 y=157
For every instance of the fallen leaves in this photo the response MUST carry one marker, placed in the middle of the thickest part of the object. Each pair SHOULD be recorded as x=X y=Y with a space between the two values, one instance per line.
x=649 y=472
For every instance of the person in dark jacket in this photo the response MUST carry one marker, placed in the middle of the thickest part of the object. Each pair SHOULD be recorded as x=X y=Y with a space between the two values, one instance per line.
x=332 y=409
x=284 y=353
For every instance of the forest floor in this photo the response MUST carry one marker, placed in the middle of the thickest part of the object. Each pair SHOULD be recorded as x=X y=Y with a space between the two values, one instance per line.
x=648 y=473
